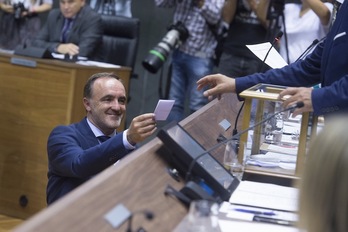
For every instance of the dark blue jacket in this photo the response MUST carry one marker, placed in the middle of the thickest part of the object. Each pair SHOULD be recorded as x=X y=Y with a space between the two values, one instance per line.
x=86 y=32
x=328 y=65
x=75 y=155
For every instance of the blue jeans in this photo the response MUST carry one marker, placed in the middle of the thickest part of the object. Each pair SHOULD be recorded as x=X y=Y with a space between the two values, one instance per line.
x=186 y=70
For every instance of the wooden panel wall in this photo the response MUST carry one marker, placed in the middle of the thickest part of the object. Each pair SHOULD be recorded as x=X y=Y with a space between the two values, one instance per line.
x=33 y=101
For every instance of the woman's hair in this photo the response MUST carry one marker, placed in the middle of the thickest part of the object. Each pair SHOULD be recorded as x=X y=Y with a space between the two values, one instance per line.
x=323 y=202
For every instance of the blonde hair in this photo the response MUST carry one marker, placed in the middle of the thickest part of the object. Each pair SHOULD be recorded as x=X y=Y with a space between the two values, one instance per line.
x=323 y=202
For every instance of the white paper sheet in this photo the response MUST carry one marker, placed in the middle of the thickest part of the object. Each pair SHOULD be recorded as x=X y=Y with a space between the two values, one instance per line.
x=163 y=109
x=265 y=195
x=274 y=59
x=245 y=226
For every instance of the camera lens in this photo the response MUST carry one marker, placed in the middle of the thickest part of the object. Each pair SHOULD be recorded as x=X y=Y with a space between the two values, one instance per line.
x=158 y=55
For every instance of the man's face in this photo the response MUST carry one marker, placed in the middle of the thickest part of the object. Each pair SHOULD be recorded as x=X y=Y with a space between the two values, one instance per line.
x=70 y=8
x=106 y=107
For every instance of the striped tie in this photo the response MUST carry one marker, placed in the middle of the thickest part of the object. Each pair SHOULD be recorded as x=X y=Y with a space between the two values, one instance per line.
x=103 y=138
x=66 y=29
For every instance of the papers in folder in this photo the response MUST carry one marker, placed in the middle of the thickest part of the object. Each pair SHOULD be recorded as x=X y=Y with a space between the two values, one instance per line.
x=259 y=197
x=274 y=59
x=265 y=195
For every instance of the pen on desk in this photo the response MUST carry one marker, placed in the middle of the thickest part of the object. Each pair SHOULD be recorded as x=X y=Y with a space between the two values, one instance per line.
x=273 y=221
x=256 y=212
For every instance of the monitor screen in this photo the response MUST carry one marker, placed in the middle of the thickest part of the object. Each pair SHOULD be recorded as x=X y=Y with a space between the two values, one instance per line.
x=185 y=150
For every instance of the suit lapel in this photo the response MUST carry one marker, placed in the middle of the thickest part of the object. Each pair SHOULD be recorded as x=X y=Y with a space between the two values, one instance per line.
x=87 y=133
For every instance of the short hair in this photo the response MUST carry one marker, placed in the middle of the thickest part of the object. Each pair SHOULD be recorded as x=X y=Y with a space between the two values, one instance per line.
x=87 y=91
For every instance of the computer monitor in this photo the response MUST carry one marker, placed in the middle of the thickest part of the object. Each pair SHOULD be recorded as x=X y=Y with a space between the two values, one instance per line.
x=187 y=153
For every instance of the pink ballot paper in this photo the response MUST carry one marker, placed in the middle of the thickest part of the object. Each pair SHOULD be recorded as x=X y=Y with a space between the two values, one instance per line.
x=163 y=109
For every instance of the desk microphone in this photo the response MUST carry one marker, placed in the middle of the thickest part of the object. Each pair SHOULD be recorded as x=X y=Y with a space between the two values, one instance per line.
x=309 y=48
x=277 y=38
x=148 y=215
x=236 y=136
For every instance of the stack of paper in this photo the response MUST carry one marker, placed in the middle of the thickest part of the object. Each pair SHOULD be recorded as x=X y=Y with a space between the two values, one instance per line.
x=276 y=205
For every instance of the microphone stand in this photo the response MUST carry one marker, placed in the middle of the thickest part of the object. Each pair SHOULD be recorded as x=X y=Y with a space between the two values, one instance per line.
x=277 y=38
x=308 y=49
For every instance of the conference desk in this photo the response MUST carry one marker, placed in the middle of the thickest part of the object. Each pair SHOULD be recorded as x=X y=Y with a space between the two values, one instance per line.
x=35 y=96
x=138 y=182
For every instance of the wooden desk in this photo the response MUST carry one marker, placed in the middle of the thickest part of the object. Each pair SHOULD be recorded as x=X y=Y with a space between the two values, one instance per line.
x=33 y=100
x=138 y=182
x=204 y=126
x=210 y=116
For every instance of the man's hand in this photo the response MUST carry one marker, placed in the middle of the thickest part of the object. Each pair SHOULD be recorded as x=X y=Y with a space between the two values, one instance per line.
x=218 y=84
x=293 y=95
x=69 y=48
x=141 y=128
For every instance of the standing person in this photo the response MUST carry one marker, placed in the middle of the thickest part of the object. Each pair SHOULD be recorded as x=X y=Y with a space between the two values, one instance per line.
x=194 y=57
x=20 y=21
x=74 y=29
x=248 y=25
x=323 y=197
x=77 y=152
x=304 y=22
x=112 y=7
x=327 y=64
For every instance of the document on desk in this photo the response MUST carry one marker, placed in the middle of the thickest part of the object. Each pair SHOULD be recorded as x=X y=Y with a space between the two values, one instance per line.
x=272 y=160
x=245 y=226
x=265 y=195
x=260 y=207
x=98 y=64
x=257 y=214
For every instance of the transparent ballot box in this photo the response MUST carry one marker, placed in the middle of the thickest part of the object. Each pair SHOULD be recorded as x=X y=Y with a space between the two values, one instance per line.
x=276 y=147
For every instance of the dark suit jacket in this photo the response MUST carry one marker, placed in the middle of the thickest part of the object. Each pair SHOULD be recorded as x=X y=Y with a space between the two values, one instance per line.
x=327 y=64
x=75 y=155
x=86 y=32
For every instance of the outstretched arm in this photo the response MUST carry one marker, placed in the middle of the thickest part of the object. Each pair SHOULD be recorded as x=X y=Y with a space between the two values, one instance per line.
x=218 y=84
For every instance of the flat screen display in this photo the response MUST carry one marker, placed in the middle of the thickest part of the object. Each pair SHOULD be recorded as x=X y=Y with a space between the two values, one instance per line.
x=185 y=150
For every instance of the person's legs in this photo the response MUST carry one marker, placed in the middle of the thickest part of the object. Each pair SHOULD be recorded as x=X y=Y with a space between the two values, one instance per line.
x=178 y=86
x=229 y=65
x=237 y=66
x=196 y=69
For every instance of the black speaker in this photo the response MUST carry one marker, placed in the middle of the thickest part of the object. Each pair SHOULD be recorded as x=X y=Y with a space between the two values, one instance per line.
x=33 y=52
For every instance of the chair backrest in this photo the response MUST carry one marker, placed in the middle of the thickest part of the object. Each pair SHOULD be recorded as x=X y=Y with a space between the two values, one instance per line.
x=120 y=40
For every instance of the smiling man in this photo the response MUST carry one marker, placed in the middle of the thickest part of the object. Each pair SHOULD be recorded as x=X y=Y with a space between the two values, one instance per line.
x=74 y=29
x=79 y=151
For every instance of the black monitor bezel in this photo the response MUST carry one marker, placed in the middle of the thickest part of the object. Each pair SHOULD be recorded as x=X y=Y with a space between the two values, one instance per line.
x=181 y=160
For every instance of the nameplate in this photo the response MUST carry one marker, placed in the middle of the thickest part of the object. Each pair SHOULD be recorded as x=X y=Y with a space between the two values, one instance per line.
x=23 y=62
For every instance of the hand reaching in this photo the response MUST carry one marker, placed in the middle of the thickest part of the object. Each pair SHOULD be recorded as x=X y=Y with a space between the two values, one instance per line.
x=218 y=84
x=141 y=128
x=294 y=95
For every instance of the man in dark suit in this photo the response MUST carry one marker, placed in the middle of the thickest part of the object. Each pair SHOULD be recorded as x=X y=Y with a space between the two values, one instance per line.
x=74 y=29
x=327 y=64
x=79 y=151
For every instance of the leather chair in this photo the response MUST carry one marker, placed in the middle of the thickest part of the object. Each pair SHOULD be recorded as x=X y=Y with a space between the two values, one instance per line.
x=120 y=40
